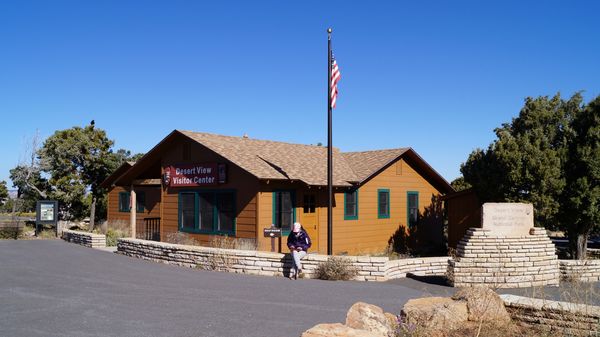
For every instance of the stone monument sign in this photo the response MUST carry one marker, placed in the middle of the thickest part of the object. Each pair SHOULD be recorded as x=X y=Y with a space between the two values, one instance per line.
x=507 y=219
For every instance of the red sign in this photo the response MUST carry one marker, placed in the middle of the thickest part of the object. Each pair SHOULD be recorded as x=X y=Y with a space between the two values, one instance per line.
x=191 y=175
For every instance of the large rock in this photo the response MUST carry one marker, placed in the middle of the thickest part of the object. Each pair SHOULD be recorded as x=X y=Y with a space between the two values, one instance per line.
x=483 y=304
x=368 y=317
x=335 y=330
x=435 y=313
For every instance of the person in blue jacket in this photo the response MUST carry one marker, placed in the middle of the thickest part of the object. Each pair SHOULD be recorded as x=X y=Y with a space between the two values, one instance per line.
x=298 y=242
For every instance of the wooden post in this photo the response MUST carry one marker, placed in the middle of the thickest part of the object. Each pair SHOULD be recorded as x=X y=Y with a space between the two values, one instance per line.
x=132 y=211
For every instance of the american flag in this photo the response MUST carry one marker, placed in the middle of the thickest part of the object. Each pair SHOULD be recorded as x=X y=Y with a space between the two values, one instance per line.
x=335 y=78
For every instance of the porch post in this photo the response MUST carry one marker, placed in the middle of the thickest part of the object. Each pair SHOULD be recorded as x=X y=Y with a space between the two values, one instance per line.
x=132 y=211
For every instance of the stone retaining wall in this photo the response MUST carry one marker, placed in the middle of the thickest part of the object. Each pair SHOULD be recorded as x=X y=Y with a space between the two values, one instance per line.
x=572 y=317
x=273 y=264
x=580 y=270
x=505 y=262
x=426 y=266
x=84 y=238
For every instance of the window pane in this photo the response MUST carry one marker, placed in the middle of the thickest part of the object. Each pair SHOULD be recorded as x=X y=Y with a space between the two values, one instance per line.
x=207 y=207
x=188 y=210
x=413 y=209
x=140 y=198
x=309 y=203
x=384 y=203
x=350 y=208
x=283 y=210
x=124 y=202
x=225 y=206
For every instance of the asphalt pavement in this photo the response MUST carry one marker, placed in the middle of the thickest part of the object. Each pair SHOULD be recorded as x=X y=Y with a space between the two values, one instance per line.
x=53 y=288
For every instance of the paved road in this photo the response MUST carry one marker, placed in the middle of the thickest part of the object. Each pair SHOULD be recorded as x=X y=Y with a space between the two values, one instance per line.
x=52 y=288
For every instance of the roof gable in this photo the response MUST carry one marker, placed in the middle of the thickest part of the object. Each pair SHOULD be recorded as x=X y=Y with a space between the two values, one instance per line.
x=111 y=179
x=367 y=164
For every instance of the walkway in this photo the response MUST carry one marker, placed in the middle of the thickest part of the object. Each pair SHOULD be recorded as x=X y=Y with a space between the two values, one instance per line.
x=53 y=288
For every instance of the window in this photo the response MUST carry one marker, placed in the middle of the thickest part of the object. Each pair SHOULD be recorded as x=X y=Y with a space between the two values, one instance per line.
x=187 y=211
x=412 y=208
x=207 y=212
x=309 y=203
x=284 y=213
x=125 y=201
x=225 y=205
x=140 y=198
x=383 y=203
x=351 y=205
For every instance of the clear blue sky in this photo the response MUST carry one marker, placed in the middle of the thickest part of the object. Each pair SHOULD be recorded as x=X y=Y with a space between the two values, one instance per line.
x=438 y=76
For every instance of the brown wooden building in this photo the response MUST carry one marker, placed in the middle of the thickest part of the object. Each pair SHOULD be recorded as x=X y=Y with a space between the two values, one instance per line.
x=204 y=185
x=464 y=212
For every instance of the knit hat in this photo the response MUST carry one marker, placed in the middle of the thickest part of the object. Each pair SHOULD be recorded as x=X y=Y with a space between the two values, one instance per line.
x=296 y=227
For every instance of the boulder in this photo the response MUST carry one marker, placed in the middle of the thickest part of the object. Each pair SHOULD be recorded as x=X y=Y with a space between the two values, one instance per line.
x=369 y=317
x=483 y=304
x=392 y=320
x=435 y=313
x=335 y=330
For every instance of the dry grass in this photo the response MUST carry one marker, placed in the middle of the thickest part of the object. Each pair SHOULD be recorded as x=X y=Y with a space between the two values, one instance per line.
x=114 y=230
x=226 y=242
x=336 y=269
x=179 y=238
x=117 y=225
x=220 y=260
x=47 y=234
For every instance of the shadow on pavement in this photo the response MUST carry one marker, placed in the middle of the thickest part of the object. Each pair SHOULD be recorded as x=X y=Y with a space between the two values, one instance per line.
x=433 y=280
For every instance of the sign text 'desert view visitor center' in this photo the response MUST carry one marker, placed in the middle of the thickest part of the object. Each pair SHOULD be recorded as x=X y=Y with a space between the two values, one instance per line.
x=507 y=219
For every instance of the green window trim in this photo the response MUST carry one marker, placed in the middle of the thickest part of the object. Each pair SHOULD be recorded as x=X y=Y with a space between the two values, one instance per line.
x=355 y=216
x=275 y=194
x=197 y=229
x=408 y=195
x=381 y=215
x=140 y=201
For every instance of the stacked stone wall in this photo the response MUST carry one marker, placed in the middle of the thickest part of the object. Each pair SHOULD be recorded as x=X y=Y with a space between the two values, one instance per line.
x=427 y=266
x=274 y=264
x=580 y=270
x=92 y=240
x=576 y=319
x=504 y=262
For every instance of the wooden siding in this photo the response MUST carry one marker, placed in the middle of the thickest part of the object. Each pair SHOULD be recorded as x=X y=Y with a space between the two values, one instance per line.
x=116 y=218
x=265 y=216
x=464 y=212
x=242 y=183
x=369 y=234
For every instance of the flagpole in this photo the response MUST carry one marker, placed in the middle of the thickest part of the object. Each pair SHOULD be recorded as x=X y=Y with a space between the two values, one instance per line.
x=329 y=151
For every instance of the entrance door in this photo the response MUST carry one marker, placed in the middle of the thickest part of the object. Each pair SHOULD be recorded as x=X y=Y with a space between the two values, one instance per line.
x=310 y=219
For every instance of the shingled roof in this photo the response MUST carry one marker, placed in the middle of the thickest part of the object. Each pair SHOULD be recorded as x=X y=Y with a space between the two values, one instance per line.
x=267 y=159
x=367 y=163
